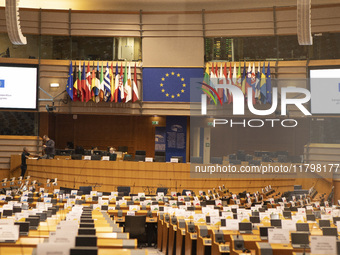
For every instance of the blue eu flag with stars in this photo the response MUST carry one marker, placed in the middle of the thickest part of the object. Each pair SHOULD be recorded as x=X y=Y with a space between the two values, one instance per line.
x=169 y=84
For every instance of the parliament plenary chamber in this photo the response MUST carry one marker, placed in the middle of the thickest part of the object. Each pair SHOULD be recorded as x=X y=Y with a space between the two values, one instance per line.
x=177 y=127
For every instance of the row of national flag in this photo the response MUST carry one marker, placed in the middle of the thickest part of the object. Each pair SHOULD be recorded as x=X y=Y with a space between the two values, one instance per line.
x=102 y=83
x=259 y=80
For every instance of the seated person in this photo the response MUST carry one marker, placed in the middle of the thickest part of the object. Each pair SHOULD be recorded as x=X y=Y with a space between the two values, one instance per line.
x=112 y=154
x=93 y=149
x=112 y=150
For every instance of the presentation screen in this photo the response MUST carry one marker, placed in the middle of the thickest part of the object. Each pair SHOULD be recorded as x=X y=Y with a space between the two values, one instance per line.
x=18 y=87
x=325 y=90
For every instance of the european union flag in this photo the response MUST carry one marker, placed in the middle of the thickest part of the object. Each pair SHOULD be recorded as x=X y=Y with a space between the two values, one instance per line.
x=169 y=84
x=2 y=83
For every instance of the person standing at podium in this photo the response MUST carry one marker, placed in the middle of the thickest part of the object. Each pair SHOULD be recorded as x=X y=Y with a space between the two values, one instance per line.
x=24 y=155
x=49 y=147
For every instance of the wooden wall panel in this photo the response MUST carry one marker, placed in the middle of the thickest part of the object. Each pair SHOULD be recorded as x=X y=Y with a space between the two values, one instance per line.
x=150 y=18
x=136 y=132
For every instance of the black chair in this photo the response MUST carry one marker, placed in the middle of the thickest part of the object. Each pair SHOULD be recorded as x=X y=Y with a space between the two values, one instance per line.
x=197 y=160
x=139 y=157
x=184 y=192
x=76 y=156
x=139 y=152
x=232 y=157
x=162 y=189
x=159 y=158
x=248 y=157
x=86 y=189
x=160 y=153
x=282 y=158
x=135 y=225
x=216 y=160
x=123 y=148
x=113 y=157
x=96 y=157
x=124 y=189
x=98 y=153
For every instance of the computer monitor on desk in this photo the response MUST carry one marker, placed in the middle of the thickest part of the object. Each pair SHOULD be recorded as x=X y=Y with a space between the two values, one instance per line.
x=300 y=240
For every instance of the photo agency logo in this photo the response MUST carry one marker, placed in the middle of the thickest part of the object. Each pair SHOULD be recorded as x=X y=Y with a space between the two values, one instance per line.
x=212 y=95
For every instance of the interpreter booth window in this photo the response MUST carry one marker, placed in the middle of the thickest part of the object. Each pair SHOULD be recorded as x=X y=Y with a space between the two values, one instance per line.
x=281 y=47
x=289 y=48
x=325 y=46
x=9 y=50
x=240 y=48
x=106 y=48
x=18 y=123
x=325 y=130
x=55 y=47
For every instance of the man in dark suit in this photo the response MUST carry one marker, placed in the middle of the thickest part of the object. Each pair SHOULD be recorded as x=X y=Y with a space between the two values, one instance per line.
x=49 y=147
x=112 y=154
x=24 y=155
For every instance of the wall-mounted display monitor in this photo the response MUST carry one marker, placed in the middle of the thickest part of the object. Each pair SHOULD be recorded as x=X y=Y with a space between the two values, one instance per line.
x=18 y=87
x=325 y=90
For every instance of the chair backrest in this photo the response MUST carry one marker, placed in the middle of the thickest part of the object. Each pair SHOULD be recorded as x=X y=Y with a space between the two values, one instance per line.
x=85 y=189
x=139 y=157
x=96 y=157
x=160 y=153
x=123 y=148
x=139 y=152
x=113 y=157
x=135 y=225
x=159 y=158
x=124 y=189
x=216 y=160
x=197 y=160
x=185 y=190
x=162 y=189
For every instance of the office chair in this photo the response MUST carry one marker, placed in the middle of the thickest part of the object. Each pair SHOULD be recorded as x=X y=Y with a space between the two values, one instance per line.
x=86 y=189
x=197 y=160
x=139 y=152
x=216 y=160
x=160 y=153
x=139 y=157
x=159 y=158
x=123 y=148
x=184 y=192
x=162 y=189
x=96 y=157
x=135 y=225
x=76 y=156
x=124 y=189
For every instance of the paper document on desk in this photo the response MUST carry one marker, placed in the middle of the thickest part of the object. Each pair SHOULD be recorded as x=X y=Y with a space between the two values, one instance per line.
x=9 y=233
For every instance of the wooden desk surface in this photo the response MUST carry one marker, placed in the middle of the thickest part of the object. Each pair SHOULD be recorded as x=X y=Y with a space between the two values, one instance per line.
x=122 y=173
x=29 y=250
